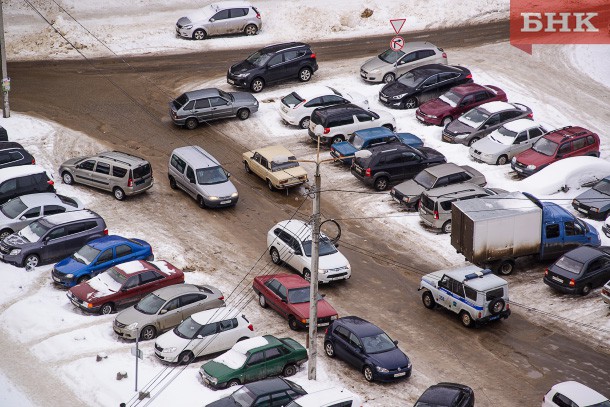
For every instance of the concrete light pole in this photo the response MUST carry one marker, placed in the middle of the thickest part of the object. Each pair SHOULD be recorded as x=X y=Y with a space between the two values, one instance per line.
x=6 y=111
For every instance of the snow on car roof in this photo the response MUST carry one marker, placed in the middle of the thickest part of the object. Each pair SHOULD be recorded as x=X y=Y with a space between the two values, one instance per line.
x=496 y=106
x=42 y=198
x=215 y=315
x=231 y=359
x=484 y=283
x=20 y=171
x=520 y=125
x=270 y=152
x=249 y=344
x=61 y=218
x=163 y=266
x=132 y=267
x=333 y=394
x=579 y=393
x=313 y=91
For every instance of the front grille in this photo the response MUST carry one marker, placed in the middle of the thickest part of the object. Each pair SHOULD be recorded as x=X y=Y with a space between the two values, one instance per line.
x=325 y=320
x=520 y=165
x=337 y=275
x=4 y=248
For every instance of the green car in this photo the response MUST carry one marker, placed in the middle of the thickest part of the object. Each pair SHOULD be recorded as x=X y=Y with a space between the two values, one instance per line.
x=254 y=359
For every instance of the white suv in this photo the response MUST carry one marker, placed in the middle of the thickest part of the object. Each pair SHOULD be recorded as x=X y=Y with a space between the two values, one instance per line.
x=290 y=242
x=332 y=397
x=476 y=295
x=296 y=107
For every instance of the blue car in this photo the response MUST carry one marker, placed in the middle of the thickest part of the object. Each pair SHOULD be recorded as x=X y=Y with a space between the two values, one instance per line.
x=97 y=256
x=363 y=139
x=368 y=348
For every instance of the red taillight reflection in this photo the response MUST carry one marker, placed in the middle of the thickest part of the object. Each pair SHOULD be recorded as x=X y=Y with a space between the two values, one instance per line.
x=546 y=272
x=313 y=55
x=531 y=115
x=469 y=76
x=326 y=130
x=435 y=214
x=445 y=55
x=367 y=173
x=33 y=161
x=572 y=282
x=258 y=16
x=222 y=297
x=130 y=182
x=106 y=232
x=50 y=182
x=251 y=327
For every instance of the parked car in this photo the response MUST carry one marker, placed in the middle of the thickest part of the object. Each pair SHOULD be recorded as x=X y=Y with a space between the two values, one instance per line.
x=606 y=292
x=3 y=134
x=594 y=202
x=123 y=285
x=476 y=295
x=22 y=180
x=363 y=139
x=221 y=18
x=579 y=270
x=368 y=348
x=570 y=141
x=200 y=106
x=200 y=175
x=510 y=139
x=280 y=391
x=446 y=395
x=393 y=163
x=422 y=84
x=203 y=333
x=25 y=209
x=296 y=107
x=335 y=123
x=274 y=63
x=408 y=192
x=277 y=175
x=13 y=154
x=456 y=101
x=121 y=173
x=97 y=256
x=289 y=242
x=164 y=309
x=254 y=359
x=571 y=394
x=332 y=397
x=51 y=238
x=435 y=204
x=482 y=120
x=288 y=295
x=390 y=64
x=606 y=226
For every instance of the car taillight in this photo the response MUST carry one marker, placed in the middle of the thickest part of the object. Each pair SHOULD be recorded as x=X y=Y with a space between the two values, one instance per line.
x=258 y=16
x=572 y=282
x=130 y=182
x=313 y=55
x=50 y=182
x=300 y=104
x=419 y=204
x=326 y=130
x=251 y=327
x=469 y=76
x=33 y=161
x=480 y=315
x=507 y=306
x=367 y=173
x=222 y=297
x=445 y=55
x=106 y=232
x=531 y=115
x=435 y=214
x=546 y=272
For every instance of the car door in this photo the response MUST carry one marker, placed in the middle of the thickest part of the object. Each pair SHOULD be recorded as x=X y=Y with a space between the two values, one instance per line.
x=297 y=259
x=83 y=172
x=191 y=183
x=446 y=80
x=221 y=107
x=332 y=100
x=282 y=398
x=406 y=63
x=428 y=89
x=196 y=302
x=603 y=273
x=553 y=241
x=53 y=210
x=27 y=217
x=578 y=146
x=291 y=62
x=104 y=261
x=393 y=163
x=448 y=287
x=209 y=342
x=564 y=150
x=259 y=165
x=521 y=143
x=218 y=24
x=412 y=165
x=341 y=342
x=129 y=291
x=52 y=244
x=363 y=120
x=271 y=294
x=178 y=166
x=276 y=70
x=255 y=367
x=170 y=314
x=355 y=351
x=150 y=281
x=101 y=175
x=202 y=110
x=123 y=254
x=492 y=123
x=235 y=22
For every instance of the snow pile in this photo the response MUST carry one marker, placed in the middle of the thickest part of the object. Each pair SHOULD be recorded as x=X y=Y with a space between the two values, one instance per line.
x=232 y=359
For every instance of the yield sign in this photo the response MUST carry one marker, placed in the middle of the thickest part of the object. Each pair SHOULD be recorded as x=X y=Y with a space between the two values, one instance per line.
x=397 y=24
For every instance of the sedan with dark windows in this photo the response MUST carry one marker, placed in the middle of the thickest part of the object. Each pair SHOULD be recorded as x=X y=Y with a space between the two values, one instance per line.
x=580 y=270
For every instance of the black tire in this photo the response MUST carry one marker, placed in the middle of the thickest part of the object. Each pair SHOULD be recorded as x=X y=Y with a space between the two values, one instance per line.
x=447 y=120
x=270 y=185
x=367 y=371
x=466 y=319
x=329 y=348
x=292 y=323
x=305 y=74
x=289 y=370
x=243 y=113
x=147 y=333
x=389 y=78
x=172 y=183
x=201 y=202
x=186 y=357
x=251 y=29
x=496 y=306
x=446 y=228
x=82 y=279
x=502 y=160
x=307 y=274
x=472 y=141
x=381 y=184
x=411 y=103
x=338 y=139
x=106 y=308
x=304 y=123
x=32 y=260
x=199 y=35
x=257 y=85
x=428 y=300
x=275 y=256
x=118 y=193
x=247 y=168
x=233 y=383
x=262 y=301
x=67 y=178
x=585 y=290
x=191 y=123
x=506 y=267
x=4 y=233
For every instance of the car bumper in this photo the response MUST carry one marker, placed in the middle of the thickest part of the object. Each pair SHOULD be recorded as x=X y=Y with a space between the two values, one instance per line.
x=14 y=260
x=335 y=154
x=392 y=376
x=235 y=81
x=368 y=181
x=288 y=118
x=523 y=171
x=138 y=189
x=398 y=197
x=487 y=159
x=485 y=320
x=560 y=287
x=420 y=116
x=167 y=357
x=61 y=279
x=392 y=103
x=221 y=203
x=323 y=139
x=184 y=33
x=450 y=138
x=372 y=78
x=591 y=214
x=334 y=276
x=82 y=305
x=606 y=297
x=209 y=383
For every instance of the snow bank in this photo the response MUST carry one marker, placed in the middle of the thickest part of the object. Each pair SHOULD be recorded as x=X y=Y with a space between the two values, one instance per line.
x=10 y=395
x=590 y=60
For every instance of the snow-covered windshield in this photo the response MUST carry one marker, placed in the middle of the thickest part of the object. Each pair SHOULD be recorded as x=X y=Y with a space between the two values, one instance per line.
x=377 y=343
x=34 y=231
x=451 y=98
x=390 y=56
x=603 y=186
x=545 y=146
x=474 y=118
x=86 y=254
x=503 y=136
x=13 y=208
x=356 y=141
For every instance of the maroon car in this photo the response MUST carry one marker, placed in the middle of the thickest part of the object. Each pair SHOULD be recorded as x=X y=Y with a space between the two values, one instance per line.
x=123 y=285
x=288 y=294
x=570 y=141
x=458 y=100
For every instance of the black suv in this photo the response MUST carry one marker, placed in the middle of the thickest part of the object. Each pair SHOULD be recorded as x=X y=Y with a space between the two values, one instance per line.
x=393 y=163
x=13 y=154
x=24 y=179
x=273 y=64
x=421 y=84
x=447 y=395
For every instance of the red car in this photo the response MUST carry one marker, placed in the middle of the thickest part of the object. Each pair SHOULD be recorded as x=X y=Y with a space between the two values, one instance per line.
x=570 y=141
x=458 y=100
x=288 y=294
x=123 y=285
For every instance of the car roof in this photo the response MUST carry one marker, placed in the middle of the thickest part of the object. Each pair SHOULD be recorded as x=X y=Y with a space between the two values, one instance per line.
x=215 y=315
x=440 y=395
x=122 y=157
x=196 y=154
x=268 y=386
x=313 y=91
x=482 y=283
x=290 y=280
x=202 y=93
x=468 y=88
x=220 y=5
x=178 y=289
x=360 y=326
x=20 y=171
x=498 y=206
x=559 y=135
x=134 y=267
x=520 y=125
x=579 y=393
x=256 y=343
x=583 y=254
x=454 y=190
x=333 y=110
x=374 y=132
x=270 y=152
x=297 y=227
x=442 y=170
x=417 y=45
x=105 y=242
x=329 y=395
x=42 y=198
x=5 y=145
x=280 y=47
x=496 y=106
x=388 y=148
x=66 y=217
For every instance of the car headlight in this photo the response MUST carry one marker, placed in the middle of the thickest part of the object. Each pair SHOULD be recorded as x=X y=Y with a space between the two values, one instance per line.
x=461 y=135
x=234 y=195
x=531 y=167
x=169 y=350
x=305 y=320
x=409 y=365
x=187 y=27
x=594 y=209
x=323 y=271
x=333 y=317
x=69 y=275
x=213 y=198
x=514 y=160
x=406 y=199
x=15 y=252
x=575 y=202
x=348 y=266
x=381 y=369
x=242 y=75
x=402 y=95
x=213 y=379
x=131 y=327
x=432 y=116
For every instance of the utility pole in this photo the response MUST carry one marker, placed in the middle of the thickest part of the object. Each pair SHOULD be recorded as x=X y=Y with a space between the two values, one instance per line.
x=6 y=111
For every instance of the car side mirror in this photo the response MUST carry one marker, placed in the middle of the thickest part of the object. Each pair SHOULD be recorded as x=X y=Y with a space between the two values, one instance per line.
x=163 y=311
x=228 y=174
x=22 y=218
x=212 y=20
x=284 y=300
x=395 y=342
x=199 y=337
x=192 y=180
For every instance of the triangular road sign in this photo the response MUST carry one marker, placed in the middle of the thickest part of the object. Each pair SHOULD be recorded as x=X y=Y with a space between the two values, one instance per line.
x=397 y=24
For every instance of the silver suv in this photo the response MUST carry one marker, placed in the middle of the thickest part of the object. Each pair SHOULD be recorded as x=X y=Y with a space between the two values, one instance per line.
x=200 y=175
x=219 y=19
x=123 y=174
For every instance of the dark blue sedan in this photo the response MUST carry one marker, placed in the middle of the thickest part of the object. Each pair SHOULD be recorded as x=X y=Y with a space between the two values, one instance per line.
x=368 y=348
x=363 y=139
x=97 y=256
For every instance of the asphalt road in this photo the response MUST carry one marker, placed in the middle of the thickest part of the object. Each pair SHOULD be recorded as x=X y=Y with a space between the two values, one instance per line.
x=125 y=105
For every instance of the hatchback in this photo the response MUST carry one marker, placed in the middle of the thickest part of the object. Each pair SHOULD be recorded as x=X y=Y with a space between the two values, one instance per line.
x=274 y=63
x=594 y=202
x=269 y=392
x=446 y=395
x=368 y=348
x=220 y=18
x=574 y=394
x=13 y=154
x=579 y=270
x=23 y=179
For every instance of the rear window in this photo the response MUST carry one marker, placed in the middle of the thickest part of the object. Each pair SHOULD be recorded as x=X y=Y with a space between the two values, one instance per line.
x=446 y=205
x=495 y=293
x=141 y=171
x=180 y=101
x=292 y=100
x=569 y=264
x=316 y=117
x=427 y=202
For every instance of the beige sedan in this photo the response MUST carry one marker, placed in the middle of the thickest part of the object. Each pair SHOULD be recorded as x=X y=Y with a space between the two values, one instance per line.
x=276 y=165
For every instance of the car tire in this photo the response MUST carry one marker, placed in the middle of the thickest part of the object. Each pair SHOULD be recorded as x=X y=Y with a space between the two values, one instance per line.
x=67 y=178
x=305 y=74
x=289 y=370
x=4 y=233
x=292 y=323
x=411 y=103
x=428 y=300
x=106 y=308
x=201 y=202
x=118 y=193
x=233 y=383
x=447 y=120
x=506 y=267
x=368 y=373
x=257 y=85
x=389 y=78
x=496 y=306
x=466 y=319
x=199 y=35
x=304 y=123
x=329 y=348
x=147 y=333
x=307 y=274
x=381 y=183
x=191 y=123
x=251 y=29
x=262 y=301
x=585 y=290
x=32 y=260
x=243 y=113
x=275 y=256
x=186 y=357
x=338 y=139
x=247 y=168
x=172 y=183
x=82 y=279
x=270 y=185
x=472 y=141
x=502 y=160
x=446 y=228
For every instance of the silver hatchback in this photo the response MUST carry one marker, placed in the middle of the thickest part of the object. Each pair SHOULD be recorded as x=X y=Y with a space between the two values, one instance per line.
x=230 y=17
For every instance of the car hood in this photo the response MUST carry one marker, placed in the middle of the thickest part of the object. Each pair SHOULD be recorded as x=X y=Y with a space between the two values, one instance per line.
x=594 y=198
x=223 y=189
x=182 y=21
x=433 y=155
x=344 y=148
x=170 y=339
x=70 y=266
x=15 y=240
x=130 y=315
x=396 y=88
x=435 y=107
x=457 y=127
x=224 y=402
x=392 y=359
x=374 y=63
x=331 y=261
x=243 y=98
x=218 y=370
x=533 y=157
x=410 y=139
x=410 y=188
x=241 y=67
x=487 y=145
x=86 y=292
x=324 y=309
x=71 y=162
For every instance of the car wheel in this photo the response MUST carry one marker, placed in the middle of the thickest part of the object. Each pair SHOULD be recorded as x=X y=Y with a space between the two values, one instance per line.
x=199 y=35
x=82 y=279
x=191 y=123
x=270 y=185
x=502 y=160
x=247 y=168
x=381 y=183
x=31 y=260
x=368 y=373
x=472 y=141
x=119 y=194
x=506 y=267
x=257 y=85
x=147 y=333
x=305 y=74
x=201 y=202
x=275 y=256
x=338 y=139
x=67 y=178
x=186 y=357
x=466 y=319
x=389 y=78
x=585 y=290
x=289 y=370
x=243 y=114
x=251 y=29
x=496 y=306
x=262 y=301
x=307 y=275
x=428 y=299
x=411 y=103
x=304 y=123
x=446 y=228
x=329 y=349
x=292 y=323
x=4 y=233
x=172 y=183
x=447 y=120
x=106 y=309
x=233 y=383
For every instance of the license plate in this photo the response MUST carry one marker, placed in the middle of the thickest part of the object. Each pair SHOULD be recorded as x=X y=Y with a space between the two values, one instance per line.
x=231 y=81
x=383 y=99
x=400 y=374
x=518 y=169
x=225 y=202
x=582 y=210
x=324 y=324
x=446 y=138
x=557 y=279
x=284 y=109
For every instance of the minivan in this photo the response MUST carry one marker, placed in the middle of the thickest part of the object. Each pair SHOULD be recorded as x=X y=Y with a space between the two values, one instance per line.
x=23 y=179
x=13 y=154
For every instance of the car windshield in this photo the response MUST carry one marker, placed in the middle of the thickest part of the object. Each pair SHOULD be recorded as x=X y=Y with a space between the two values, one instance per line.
x=13 y=208
x=291 y=163
x=451 y=98
x=410 y=80
x=390 y=56
x=377 y=343
x=150 y=304
x=86 y=254
x=258 y=59
x=474 y=118
x=187 y=329
x=504 y=136
x=243 y=397
x=212 y=175
x=569 y=264
x=300 y=295
x=34 y=231
x=180 y=101
x=545 y=146
x=116 y=276
x=326 y=247
x=425 y=179
x=603 y=186
x=356 y=141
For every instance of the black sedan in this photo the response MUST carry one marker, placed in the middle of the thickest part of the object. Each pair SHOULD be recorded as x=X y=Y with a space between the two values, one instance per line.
x=280 y=391
x=595 y=202
x=447 y=395
x=580 y=270
x=422 y=84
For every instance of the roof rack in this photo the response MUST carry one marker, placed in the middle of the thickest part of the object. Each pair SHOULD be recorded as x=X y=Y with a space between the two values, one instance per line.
x=103 y=155
x=477 y=274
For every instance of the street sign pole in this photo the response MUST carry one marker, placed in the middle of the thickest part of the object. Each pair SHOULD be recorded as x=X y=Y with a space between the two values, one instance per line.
x=6 y=111
x=137 y=355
